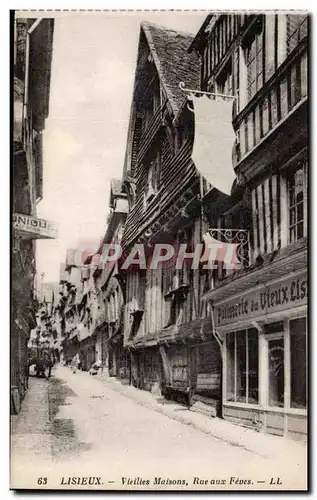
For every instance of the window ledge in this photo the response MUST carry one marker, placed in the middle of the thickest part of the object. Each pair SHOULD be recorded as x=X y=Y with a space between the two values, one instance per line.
x=296 y=411
x=287 y=411
x=243 y=405
x=267 y=409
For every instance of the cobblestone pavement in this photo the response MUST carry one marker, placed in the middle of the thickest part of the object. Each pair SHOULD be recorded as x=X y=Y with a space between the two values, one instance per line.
x=79 y=425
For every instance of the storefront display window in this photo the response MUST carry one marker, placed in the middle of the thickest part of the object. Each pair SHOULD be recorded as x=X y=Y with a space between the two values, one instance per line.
x=242 y=367
x=230 y=396
x=276 y=371
x=298 y=358
x=253 y=368
x=241 y=373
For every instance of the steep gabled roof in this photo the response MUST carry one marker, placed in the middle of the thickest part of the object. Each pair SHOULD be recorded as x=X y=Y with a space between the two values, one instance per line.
x=174 y=64
x=169 y=50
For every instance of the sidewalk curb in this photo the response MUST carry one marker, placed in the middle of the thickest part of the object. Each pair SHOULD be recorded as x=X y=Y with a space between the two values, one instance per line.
x=31 y=428
x=279 y=445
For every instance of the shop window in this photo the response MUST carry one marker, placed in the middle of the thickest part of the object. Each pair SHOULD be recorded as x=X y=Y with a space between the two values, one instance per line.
x=298 y=357
x=230 y=367
x=242 y=367
x=297 y=199
x=276 y=371
x=253 y=367
x=296 y=30
x=254 y=53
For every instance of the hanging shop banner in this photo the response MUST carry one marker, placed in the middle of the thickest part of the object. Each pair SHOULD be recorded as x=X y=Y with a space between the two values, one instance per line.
x=279 y=296
x=29 y=227
x=214 y=133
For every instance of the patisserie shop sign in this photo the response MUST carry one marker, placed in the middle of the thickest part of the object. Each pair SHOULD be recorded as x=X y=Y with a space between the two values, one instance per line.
x=285 y=294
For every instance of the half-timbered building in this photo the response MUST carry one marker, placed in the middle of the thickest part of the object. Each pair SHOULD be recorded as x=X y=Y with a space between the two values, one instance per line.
x=260 y=311
x=110 y=293
x=32 y=57
x=169 y=352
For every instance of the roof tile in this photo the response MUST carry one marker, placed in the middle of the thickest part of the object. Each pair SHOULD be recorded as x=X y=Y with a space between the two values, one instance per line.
x=173 y=62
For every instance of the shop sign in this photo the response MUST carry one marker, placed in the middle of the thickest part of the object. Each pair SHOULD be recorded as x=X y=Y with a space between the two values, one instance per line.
x=280 y=296
x=31 y=227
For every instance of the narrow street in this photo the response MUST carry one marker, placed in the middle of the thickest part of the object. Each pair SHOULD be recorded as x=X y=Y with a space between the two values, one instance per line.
x=72 y=424
x=159 y=227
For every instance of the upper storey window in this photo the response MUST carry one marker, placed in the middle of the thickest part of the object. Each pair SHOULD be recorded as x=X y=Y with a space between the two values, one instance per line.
x=220 y=34
x=254 y=57
x=152 y=101
x=225 y=80
x=153 y=177
x=296 y=30
x=297 y=203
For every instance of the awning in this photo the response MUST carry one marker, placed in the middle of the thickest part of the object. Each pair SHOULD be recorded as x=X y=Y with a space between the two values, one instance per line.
x=288 y=260
x=214 y=140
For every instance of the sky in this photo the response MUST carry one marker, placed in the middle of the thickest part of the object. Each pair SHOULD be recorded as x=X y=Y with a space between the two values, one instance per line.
x=92 y=76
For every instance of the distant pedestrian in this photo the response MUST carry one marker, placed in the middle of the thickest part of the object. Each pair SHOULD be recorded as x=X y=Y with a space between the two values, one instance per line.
x=75 y=363
x=48 y=364
x=40 y=368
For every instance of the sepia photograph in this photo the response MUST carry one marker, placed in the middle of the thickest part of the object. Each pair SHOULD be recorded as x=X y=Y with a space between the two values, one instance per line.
x=159 y=233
